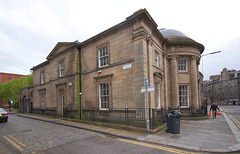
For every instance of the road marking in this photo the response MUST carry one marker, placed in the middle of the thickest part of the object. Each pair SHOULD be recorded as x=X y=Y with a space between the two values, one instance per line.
x=237 y=123
x=150 y=145
x=13 y=143
x=16 y=140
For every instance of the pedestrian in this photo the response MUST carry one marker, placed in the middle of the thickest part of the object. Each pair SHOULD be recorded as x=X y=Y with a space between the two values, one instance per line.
x=214 y=108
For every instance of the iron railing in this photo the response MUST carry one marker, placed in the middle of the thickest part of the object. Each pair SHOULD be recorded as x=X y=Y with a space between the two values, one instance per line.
x=125 y=116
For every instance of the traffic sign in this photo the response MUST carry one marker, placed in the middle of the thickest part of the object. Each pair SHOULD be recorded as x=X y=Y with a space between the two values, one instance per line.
x=149 y=89
x=147 y=84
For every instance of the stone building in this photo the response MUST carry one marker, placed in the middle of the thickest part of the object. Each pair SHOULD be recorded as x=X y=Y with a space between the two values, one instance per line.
x=110 y=69
x=223 y=88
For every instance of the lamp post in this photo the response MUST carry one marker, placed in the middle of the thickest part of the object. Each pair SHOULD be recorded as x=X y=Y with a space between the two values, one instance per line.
x=208 y=54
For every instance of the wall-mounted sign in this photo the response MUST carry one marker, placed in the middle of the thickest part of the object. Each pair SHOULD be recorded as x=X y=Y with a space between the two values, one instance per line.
x=127 y=66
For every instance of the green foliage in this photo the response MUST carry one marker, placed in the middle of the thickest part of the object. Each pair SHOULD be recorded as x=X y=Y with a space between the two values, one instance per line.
x=12 y=88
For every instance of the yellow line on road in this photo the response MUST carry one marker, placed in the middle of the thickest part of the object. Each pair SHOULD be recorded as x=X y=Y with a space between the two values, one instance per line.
x=13 y=143
x=17 y=140
x=151 y=145
x=234 y=120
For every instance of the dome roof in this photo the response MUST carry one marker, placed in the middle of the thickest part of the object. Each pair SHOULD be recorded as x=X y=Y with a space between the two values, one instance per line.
x=177 y=37
x=171 y=33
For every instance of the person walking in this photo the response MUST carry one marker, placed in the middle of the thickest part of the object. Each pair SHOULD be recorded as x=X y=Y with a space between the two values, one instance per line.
x=214 y=108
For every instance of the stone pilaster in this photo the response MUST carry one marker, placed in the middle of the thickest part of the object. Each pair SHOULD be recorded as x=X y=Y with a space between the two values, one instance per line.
x=194 y=84
x=174 y=82
x=140 y=53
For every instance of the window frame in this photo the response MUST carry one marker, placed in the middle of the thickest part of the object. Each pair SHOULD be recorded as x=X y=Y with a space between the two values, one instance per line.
x=42 y=77
x=184 y=95
x=158 y=95
x=103 y=56
x=61 y=69
x=102 y=95
x=182 y=65
x=156 y=58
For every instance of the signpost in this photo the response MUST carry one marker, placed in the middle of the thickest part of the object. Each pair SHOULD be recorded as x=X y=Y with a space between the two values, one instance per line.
x=11 y=99
x=147 y=89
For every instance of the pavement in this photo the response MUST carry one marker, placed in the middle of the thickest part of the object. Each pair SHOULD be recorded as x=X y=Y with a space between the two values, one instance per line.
x=209 y=135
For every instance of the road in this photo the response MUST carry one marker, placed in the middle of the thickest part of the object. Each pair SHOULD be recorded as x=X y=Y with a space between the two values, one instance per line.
x=33 y=136
x=233 y=113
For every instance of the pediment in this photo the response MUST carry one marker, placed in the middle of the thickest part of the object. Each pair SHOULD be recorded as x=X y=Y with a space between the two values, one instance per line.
x=60 y=47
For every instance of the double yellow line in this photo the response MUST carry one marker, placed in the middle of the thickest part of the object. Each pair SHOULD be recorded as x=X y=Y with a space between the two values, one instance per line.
x=16 y=143
x=150 y=145
x=234 y=120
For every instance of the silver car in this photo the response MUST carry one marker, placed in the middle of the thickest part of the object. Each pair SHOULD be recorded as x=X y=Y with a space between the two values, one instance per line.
x=3 y=115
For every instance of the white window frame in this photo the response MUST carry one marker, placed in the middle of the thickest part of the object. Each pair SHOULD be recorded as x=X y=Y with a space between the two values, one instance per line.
x=42 y=77
x=182 y=65
x=156 y=58
x=61 y=69
x=103 y=56
x=105 y=95
x=184 y=95
x=158 y=94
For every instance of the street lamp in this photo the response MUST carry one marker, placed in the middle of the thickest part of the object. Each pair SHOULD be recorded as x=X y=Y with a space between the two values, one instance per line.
x=208 y=54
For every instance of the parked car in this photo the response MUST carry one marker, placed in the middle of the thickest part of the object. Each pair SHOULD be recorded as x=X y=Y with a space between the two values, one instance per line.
x=3 y=115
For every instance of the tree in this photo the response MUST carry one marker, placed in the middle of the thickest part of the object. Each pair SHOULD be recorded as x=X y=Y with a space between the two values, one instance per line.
x=12 y=88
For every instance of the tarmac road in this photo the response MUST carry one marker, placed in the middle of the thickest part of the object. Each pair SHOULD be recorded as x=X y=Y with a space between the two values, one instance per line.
x=34 y=136
x=233 y=113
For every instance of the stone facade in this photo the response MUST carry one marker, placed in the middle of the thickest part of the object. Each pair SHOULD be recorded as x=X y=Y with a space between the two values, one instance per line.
x=114 y=65
x=223 y=88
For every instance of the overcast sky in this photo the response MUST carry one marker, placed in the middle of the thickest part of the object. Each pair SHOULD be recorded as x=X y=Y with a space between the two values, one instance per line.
x=29 y=29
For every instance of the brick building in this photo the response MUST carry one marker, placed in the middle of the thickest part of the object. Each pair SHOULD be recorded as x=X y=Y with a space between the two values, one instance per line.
x=223 y=88
x=6 y=77
x=110 y=69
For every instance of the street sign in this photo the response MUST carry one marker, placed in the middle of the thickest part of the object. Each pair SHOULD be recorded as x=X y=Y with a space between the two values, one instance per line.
x=149 y=89
x=147 y=84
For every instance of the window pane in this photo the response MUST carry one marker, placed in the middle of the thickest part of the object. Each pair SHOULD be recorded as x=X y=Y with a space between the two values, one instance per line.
x=182 y=65
x=104 y=95
x=183 y=95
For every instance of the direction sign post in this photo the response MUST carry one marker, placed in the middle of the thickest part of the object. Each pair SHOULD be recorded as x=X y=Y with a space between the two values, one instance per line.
x=147 y=122
x=11 y=99
x=145 y=90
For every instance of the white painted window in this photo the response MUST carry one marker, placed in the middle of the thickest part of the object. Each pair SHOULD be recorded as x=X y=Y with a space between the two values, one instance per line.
x=182 y=65
x=183 y=95
x=156 y=58
x=104 y=95
x=103 y=56
x=157 y=89
x=42 y=77
x=61 y=69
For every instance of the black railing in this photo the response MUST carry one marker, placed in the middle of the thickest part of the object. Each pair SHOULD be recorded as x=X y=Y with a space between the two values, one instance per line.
x=127 y=116
x=124 y=116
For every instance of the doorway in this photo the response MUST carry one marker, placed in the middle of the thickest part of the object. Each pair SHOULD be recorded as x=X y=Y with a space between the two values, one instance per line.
x=24 y=104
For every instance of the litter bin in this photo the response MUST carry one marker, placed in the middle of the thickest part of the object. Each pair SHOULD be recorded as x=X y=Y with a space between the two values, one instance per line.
x=173 y=122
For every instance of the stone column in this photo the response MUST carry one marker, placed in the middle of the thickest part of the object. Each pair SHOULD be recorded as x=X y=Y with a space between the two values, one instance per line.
x=140 y=59
x=174 y=82
x=166 y=82
x=194 y=85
